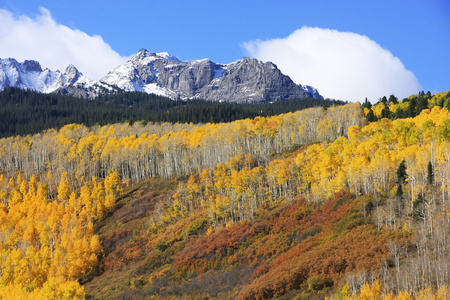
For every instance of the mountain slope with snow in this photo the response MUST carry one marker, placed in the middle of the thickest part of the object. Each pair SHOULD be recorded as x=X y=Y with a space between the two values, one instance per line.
x=243 y=81
x=29 y=75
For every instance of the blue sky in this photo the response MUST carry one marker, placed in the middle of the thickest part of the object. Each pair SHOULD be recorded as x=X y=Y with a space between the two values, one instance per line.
x=415 y=32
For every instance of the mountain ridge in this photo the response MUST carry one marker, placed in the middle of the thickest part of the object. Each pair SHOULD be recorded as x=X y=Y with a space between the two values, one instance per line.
x=244 y=81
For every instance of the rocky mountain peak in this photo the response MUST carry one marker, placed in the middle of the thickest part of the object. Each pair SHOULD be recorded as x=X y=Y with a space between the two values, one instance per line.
x=167 y=56
x=71 y=69
x=72 y=74
x=32 y=66
x=10 y=64
x=245 y=80
x=144 y=55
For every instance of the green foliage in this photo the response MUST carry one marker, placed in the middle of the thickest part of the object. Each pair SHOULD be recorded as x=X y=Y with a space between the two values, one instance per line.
x=393 y=99
x=317 y=283
x=311 y=232
x=401 y=177
x=412 y=108
x=386 y=113
x=444 y=130
x=161 y=246
x=370 y=117
x=343 y=292
x=430 y=173
x=367 y=104
x=401 y=173
x=418 y=209
x=195 y=226
x=447 y=103
x=399 y=192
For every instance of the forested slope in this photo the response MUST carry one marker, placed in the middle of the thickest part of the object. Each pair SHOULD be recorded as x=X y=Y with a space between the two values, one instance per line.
x=310 y=204
x=29 y=112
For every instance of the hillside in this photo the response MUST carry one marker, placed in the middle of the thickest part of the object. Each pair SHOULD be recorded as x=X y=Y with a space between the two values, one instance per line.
x=304 y=205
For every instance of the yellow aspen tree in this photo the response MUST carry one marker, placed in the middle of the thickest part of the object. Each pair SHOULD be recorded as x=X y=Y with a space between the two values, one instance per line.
x=58 y=288
x=64 y=188
x=86 y=199
x=15 y=198
x=404 y=295
x=98 y=198
x=74 y=202
x=23 y=188
x=95 y=247
x=370 y=292
x=112 y=188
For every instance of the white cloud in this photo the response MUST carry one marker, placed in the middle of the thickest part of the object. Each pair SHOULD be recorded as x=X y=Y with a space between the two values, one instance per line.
x=54 y=45
x=341 y=65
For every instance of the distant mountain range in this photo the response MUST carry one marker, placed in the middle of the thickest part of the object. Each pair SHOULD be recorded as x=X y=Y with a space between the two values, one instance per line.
x=243 y=81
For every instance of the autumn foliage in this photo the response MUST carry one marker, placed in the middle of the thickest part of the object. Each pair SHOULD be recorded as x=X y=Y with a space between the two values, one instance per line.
x=48 y=245
x=315 y=203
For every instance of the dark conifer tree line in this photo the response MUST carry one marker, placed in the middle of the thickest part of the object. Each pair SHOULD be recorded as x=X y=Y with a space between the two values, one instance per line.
x=26 y=112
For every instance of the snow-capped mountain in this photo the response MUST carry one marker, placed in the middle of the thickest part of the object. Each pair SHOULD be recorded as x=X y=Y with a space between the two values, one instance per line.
x=29 y=75
x=246 y=80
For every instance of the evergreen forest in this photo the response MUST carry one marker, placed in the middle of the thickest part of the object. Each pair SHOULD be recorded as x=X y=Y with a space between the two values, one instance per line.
x=26 y=111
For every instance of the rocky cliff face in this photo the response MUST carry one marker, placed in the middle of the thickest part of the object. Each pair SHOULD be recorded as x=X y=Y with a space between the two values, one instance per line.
x=246 y=80
x=250 y=80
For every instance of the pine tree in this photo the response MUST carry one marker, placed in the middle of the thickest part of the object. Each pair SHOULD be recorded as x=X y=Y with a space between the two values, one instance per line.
x=401 y=177
x=430 y=173
x=367 y=104
x=401 y=173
